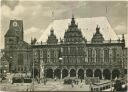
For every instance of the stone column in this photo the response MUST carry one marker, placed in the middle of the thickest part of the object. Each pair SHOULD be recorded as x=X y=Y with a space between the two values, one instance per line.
x=53 y=74
x=84 y=74
x=77 y=73
x=111 y=75
x=102 y=74
x=93 y=73
x=69 y=73
x=60 y=74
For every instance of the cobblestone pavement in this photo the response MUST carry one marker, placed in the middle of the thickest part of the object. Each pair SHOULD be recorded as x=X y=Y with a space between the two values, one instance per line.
x=50 y=86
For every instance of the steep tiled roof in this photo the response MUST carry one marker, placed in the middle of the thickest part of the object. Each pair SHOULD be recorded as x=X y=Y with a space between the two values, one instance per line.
x=87 y=26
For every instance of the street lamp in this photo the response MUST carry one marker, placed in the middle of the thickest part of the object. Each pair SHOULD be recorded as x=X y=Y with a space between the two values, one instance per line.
x=60 y=61
x=1 y=69
x=41 y=70
x=33 y=76
x=10 y=64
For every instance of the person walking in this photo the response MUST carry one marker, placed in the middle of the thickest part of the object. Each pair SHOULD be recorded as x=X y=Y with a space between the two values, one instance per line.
x=72 y=84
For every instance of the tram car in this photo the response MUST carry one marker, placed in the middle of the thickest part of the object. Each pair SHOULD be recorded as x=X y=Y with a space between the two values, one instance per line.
x=97 y=87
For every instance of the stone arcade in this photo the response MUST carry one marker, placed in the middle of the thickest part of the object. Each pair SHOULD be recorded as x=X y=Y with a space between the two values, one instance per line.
x=74 y=56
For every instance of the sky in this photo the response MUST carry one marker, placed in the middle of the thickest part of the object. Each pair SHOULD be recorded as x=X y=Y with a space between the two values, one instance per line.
x=37 y=15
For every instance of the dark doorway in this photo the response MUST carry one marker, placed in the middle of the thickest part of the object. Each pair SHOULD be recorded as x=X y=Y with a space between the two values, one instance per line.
x=89 y=73
x=36 y=72
x=81 y=74
x=72 y=73
x=49 y=73
x=57 y=73
x=98 y=73
x=64 y=73
x=115 y=73
x=107 y=74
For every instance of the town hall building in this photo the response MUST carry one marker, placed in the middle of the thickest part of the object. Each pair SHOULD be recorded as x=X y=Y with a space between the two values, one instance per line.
x=75 y=56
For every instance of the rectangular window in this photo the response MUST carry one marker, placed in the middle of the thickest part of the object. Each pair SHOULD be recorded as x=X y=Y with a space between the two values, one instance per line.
x=65 y=51
x=90 y=55
x=106 y=55
x=114 y=54
x=98 y=55
x=20 y=59
x=45 y=53
x=52 y=54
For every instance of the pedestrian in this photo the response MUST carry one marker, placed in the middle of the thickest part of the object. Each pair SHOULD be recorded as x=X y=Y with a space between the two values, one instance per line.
x=81 y=80
x=27 y=89
x=44 y=81
x=4 y=88
x=55 y=78
x=72 y=84
x=77 y=82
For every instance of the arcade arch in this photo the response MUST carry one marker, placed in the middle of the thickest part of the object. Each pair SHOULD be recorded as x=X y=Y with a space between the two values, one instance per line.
x=81 y=74
x=115 y=73
x=57 y=73
x=98 y=73
x=64 y=73
x=72 y=73
x=107 y=74
x=49 y=73
x=89 y=73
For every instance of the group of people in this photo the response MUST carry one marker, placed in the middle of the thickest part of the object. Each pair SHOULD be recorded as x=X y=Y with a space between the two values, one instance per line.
x=43 y=80
x=76 y=82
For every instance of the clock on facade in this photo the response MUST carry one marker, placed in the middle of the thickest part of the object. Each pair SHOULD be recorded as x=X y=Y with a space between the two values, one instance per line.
x=14 y=24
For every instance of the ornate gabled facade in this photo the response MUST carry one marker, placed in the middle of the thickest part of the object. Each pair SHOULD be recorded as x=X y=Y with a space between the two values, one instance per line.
x=74 y=56
x=17 y=51
x=73 y=33
x=97 y=37
x=52 y=38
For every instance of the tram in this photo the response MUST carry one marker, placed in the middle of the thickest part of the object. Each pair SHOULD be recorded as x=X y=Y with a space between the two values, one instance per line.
x=102 y=86
x=107 y=85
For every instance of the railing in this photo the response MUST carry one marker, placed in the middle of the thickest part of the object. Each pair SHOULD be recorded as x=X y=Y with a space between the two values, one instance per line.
x=88 y=42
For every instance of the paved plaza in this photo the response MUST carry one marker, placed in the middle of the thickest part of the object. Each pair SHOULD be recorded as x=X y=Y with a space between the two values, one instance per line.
x=50 y=86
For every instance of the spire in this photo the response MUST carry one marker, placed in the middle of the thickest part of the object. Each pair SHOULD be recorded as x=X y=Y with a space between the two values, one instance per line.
x=72 y=15
x=33 y=41
x=97 y=28
x=53 y=17
x=52 y=31
x=123 y=39
x=73 y=20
